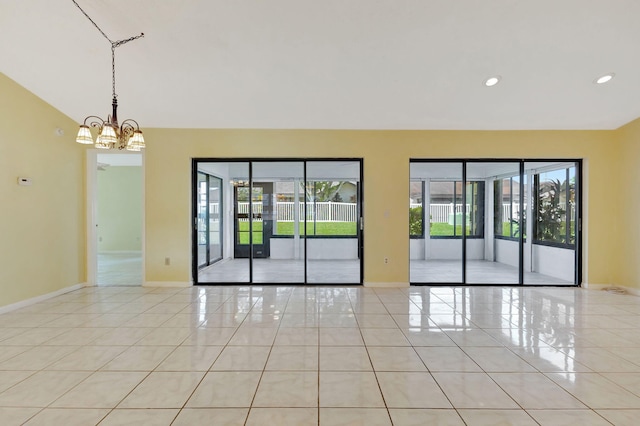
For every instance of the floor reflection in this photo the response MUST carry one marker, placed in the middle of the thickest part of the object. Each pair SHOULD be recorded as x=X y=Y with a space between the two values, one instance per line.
x=455 y=355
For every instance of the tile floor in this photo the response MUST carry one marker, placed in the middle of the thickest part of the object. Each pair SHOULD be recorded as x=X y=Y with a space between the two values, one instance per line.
x=119 y=268
x=479 y=272
x=348 y=272
x=336 y=271
x=322 y=355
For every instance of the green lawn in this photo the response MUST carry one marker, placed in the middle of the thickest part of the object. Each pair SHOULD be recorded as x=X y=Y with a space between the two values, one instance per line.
x=244 y=232
x=440 y=229
x=322 y=228
x=445 y=230
x=506 y=230
x=286 y=228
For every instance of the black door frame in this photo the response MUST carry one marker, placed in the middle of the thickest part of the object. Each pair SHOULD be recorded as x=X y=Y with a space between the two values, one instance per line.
x=208 y=261
x=250 y=161
x=521 y=161
x=241 y=251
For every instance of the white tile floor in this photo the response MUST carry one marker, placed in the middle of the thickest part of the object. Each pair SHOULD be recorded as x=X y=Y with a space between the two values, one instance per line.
x=119 y=268
x=336 y=271
x=348 y=272
x=480 y=272
x=322 y=355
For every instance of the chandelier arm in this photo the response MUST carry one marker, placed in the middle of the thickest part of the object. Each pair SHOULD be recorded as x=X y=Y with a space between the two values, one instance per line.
x=126 y=123
x=98 y=122
x=126 y=131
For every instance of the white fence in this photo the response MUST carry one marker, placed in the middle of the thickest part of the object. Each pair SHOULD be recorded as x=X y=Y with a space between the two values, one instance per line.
x=442 y=213
x=328 y=211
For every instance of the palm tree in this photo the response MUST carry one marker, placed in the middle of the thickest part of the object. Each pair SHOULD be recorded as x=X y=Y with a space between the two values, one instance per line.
x=323 y=190
x=551 y=214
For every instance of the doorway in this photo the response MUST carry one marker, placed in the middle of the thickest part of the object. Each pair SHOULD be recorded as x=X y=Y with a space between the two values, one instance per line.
x=488 y=222
x=209 y=219
x=253 y=231
x=287 y=221
x=115 y=207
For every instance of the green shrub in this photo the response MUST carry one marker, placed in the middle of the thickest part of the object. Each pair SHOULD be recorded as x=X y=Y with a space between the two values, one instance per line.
x=415 y=221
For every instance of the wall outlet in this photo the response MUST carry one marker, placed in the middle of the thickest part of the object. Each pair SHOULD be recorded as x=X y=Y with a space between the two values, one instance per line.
x=167 y=261
x=386 y=260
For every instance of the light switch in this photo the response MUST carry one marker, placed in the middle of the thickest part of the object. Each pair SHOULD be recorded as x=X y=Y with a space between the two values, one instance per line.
x=25 y=181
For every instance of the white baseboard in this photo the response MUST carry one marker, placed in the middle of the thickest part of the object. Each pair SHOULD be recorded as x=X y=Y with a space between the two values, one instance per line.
x=34 y=300
x=385 y=284
x=166 y=284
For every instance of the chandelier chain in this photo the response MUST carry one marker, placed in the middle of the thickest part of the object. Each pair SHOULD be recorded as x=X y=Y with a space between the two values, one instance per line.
x=114 y=45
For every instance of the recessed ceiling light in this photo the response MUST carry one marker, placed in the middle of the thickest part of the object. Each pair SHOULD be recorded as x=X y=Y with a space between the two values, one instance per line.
x=492 y=81
x=605 y=78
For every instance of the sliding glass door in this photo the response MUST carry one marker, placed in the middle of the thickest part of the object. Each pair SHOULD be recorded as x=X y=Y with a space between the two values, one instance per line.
x=286 y=221
x=208 y=220
x=215 y=219
x=333 y=216
x=229 y=223
x=493 y=200
x=436 y=225
x=554 y=229
x=202 y=223
x=275 y=259
x=509 y=222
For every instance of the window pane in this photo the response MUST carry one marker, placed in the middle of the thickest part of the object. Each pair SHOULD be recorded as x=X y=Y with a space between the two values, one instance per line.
x=332 y=209
x=416 y=197
x=333 y=251
x=551 y=219
x=442 y=209
x=446 y=209
x=457 y=218
x=492 y=258
x=507 y=207
x=515 y=206
x=550 y=258
x=436 y=256
x=202 y=219
x=286 y=216
x=499 y=216
x=475 y=209
x=227 y=210
x=572 y=204
x=215 y=218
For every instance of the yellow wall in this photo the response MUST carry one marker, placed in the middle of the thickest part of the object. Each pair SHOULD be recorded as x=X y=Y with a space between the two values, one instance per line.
x=42 y=227
x=627 y=173
x=120 y=208
x=386 y=174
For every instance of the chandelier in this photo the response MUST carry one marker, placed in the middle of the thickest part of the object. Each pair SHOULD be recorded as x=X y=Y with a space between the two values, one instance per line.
x=111 y=135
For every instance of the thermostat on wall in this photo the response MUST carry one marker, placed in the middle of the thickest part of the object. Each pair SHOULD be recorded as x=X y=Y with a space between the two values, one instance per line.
x=25 y=181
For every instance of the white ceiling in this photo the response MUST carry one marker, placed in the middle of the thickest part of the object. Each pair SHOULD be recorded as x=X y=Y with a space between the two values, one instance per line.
x=337 y=64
